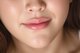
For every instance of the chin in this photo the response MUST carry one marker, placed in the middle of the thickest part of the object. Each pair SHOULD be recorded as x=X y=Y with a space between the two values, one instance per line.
x=39 y=43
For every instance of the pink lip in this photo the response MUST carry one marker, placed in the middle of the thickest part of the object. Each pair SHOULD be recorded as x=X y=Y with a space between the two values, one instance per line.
x=37 y=23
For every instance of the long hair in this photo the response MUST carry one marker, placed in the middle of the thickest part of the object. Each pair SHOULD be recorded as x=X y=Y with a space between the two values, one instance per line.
x=72 y=22
x=5 y=38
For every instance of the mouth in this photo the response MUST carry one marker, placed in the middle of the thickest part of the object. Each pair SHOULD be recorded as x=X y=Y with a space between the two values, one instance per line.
x=37 y=23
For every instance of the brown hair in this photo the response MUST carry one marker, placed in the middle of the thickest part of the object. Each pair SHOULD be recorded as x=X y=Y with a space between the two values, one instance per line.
x=5 y=38
x=72 y=22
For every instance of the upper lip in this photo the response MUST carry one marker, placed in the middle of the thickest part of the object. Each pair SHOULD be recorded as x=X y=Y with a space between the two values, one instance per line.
x=38 y=20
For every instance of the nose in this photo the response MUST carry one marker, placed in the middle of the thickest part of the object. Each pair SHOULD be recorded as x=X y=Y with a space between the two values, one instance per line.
x=35 y=6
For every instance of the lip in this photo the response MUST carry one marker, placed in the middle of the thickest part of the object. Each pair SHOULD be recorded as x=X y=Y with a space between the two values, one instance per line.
x=37 y=23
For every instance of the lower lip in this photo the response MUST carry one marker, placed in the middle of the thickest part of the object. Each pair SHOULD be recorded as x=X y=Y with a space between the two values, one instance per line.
x=37 y=26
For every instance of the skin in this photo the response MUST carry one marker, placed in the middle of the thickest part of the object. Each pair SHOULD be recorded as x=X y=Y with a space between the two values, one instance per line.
x=46 y=40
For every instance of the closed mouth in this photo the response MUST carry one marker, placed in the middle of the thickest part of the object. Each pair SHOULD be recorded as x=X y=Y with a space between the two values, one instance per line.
x=37 y=23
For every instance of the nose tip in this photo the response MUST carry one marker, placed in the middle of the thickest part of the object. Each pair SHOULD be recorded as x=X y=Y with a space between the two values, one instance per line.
x=35 y=6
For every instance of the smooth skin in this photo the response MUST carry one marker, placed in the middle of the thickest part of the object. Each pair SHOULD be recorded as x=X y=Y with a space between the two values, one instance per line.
x=46 y=40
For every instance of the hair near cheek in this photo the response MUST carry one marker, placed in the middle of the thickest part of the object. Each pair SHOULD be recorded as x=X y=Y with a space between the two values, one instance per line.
x=3 y=43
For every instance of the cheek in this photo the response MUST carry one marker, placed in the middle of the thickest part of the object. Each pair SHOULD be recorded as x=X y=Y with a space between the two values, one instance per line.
x=8 y=9
x=9 y=14
x=59 y=8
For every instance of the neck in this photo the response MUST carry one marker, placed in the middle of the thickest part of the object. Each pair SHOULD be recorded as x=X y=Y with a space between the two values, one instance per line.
x=53 y=47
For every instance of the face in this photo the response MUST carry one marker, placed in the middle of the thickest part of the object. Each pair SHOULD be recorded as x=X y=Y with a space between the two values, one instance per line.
x=34 y=22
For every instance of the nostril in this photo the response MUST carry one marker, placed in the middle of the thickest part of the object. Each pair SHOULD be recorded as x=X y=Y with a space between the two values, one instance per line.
x=30 y=9
x=35 y=6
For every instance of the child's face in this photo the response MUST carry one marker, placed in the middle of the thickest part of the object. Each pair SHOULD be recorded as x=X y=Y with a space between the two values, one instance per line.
x=34 y=22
